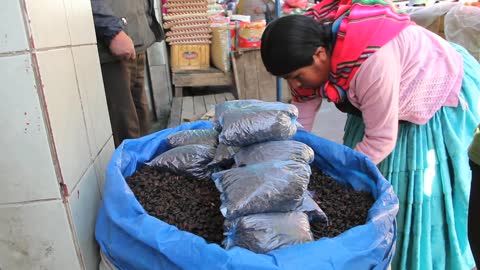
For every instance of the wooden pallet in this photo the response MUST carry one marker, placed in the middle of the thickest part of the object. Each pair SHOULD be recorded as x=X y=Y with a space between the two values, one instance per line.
x=197 y=78
x=192 y=108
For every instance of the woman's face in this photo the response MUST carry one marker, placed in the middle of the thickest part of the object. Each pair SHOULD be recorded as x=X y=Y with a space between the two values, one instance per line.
x=312 y=76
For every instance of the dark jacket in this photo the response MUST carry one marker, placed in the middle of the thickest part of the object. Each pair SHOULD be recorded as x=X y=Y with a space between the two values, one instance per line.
x=135 y=17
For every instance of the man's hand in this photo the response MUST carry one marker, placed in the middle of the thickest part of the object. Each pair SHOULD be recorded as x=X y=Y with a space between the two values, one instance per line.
x=258 y=10
x=122 y=46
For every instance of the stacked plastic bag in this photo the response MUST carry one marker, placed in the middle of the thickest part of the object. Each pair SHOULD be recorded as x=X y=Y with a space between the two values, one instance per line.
x=264 y=196
x=262 y=174
x=191 y=152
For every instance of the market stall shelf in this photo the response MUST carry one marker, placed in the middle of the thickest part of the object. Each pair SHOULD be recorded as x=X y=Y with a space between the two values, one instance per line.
x=192 y=108
x=199 y=78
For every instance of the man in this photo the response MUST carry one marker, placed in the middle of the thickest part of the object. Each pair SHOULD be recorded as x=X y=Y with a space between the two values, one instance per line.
x=125 y=29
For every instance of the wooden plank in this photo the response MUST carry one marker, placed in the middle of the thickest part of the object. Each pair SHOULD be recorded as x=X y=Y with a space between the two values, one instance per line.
x=187 y=108
x=252 y=80
x=178 y=91
x=161 y=90
x=267 y=83
x=199 y=105
x=236 y=81
x=229 y=96
x=209 y=101
x=239 y=71
x=195 y=78
x=175 y=112
x=251 y=76
x=220 y=98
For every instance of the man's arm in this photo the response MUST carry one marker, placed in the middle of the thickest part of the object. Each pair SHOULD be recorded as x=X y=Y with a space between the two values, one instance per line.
x=107 y=26
x=109 y=29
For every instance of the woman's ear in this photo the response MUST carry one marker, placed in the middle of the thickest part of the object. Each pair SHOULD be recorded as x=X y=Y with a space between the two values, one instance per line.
x=320 y=55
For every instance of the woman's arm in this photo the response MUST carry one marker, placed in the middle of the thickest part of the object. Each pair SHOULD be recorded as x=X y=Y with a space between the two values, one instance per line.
x=375 y=92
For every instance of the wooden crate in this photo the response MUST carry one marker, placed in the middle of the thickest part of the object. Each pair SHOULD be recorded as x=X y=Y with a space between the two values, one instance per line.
x=253 y=81
x=189 y=56
x=192 y=108
x=198 y=78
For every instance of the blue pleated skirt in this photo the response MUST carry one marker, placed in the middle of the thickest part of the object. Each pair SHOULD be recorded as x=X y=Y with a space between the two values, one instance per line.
x=429 y=172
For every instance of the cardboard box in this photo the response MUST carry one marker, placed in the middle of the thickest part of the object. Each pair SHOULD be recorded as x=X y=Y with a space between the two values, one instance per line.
x=189 y=56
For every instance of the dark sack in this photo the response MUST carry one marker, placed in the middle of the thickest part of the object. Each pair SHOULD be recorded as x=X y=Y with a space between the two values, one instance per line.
x=189 y=160
x=274 y=150
x=262 y=233
x=197 y=136
x=265 y=187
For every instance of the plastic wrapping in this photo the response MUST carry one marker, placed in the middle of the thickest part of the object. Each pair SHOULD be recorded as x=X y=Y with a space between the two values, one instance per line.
x=220 y=108
x=198 y=136
x=261 y=188
x=315 y=214
x=243 y=128
x=431 y=17
x=253 y=105
x=462 y=26
x=189 y=160
x=252 y=121
x=274 y=150
x=220 y=47
x=131 y=239
x=224 y=156
x=263 y=233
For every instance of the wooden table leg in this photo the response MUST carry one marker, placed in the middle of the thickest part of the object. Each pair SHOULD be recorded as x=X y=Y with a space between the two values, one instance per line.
x=178 y=91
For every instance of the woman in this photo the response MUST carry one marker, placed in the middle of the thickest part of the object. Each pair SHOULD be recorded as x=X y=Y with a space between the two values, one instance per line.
x=256 y=9
x=410 y=96
x=474 y=208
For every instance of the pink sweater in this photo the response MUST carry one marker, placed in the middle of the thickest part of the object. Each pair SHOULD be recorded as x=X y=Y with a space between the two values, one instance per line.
x=410 y=78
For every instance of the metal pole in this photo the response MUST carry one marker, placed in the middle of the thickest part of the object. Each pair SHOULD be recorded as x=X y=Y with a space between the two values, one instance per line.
x=279 y=80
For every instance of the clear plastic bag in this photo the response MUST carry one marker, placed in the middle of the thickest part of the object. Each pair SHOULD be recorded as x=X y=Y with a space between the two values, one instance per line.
x=462 y=26
x=229 y=105
x=261 y=188
x=220 y=47
x=224 y=156
x=262 y=233
x=274 y=150
x=243 y=127
x=193 y=136
x=189 y=160
x=315 y=214
x=430 y=17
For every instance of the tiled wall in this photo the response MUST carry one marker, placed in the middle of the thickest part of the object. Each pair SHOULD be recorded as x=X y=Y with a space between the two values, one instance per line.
x=56 y=136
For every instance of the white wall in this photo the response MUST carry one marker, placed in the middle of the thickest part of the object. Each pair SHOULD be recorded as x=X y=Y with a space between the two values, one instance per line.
x=56 y=136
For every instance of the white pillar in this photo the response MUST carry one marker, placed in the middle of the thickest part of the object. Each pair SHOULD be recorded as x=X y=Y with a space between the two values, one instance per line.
x=55 y=137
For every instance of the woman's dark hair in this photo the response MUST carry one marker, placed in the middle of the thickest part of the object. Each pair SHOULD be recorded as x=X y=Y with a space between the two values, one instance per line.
x=288 y=43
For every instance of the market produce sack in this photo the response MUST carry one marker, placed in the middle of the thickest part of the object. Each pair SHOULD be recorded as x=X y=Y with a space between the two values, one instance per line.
x=131 y=239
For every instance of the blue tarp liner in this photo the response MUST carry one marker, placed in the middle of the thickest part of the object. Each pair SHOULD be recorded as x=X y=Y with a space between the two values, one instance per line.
x=133 y=240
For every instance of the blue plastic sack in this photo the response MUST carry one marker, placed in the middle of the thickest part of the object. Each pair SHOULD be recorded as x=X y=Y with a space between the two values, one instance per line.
x=131 y=239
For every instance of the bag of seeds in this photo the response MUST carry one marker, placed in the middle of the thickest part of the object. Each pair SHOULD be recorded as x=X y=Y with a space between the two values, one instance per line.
x=262 y=233
x=315 y=214
x=228 y=105
x=224 y=156
x=189 y=160
x=193 y=136
x=274 y=150
x=246 y=127
x=261 y=188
